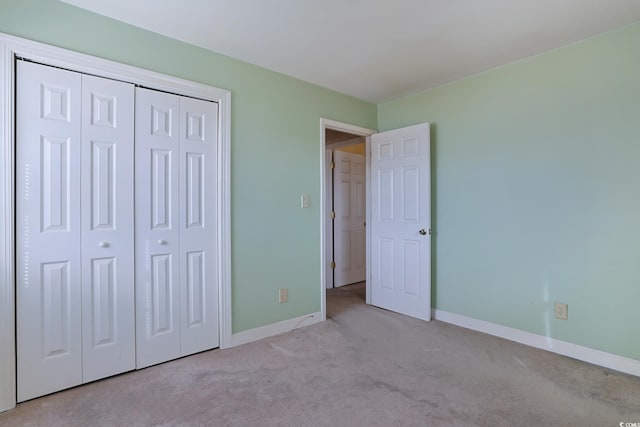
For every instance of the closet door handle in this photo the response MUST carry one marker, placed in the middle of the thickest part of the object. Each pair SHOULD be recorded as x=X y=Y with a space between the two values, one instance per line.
x=162 y=242
x=103 y=244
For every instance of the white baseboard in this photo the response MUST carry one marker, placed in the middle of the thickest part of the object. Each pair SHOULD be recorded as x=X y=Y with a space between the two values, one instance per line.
x=586 y=354
x=266 y=331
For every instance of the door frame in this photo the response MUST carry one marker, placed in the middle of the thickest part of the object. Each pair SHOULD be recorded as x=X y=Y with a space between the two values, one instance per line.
x=12 y=47
x=324 y=200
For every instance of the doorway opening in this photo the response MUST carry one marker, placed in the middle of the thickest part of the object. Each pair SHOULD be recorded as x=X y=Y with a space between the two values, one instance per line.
x=344 y=207
x=347 y=204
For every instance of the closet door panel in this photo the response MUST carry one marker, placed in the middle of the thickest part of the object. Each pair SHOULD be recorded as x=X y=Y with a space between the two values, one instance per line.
x=108 y=293
x=157 y=227
x=198 y=225
x=48 y=304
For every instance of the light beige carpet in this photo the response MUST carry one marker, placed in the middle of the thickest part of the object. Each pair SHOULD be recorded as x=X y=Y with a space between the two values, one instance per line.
x=362 y=367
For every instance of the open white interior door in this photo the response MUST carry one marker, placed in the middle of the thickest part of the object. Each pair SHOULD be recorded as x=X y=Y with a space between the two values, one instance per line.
x=348 y=226
x=400 y=239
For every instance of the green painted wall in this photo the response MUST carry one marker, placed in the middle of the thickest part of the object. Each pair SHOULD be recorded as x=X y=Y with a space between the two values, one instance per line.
x=536 y=191
x=275 y=149
x=536 y=183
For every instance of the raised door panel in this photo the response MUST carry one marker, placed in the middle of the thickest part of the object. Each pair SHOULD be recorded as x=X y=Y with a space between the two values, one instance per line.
x=198 y=225
x=157 y=227
x=342 y=209
x=108 y=322
x=358 y=219
x=400 y=209
x=48 y=251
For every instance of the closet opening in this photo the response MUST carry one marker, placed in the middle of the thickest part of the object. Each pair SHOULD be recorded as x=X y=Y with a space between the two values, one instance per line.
x=80 y=177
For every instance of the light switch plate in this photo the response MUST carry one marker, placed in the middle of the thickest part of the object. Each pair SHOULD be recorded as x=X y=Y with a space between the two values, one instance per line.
x=304 y=201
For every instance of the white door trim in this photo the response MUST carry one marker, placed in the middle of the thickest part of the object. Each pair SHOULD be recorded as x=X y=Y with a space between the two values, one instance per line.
x=324 y=213
x=12 y=47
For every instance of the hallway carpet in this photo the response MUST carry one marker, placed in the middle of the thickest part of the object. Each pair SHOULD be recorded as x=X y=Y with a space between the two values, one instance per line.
x=362 y=367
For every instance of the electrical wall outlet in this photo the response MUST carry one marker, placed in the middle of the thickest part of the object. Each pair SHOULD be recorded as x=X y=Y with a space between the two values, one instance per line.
x=283 y=295
x=562 y=311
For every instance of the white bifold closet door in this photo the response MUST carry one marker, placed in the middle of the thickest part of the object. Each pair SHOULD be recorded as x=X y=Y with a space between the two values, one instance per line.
x=74 y=216
x=176 y=227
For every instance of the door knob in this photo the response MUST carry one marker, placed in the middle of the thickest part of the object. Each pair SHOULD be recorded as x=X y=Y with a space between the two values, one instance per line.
x=422 y=232
x=162 y=242
x=103 y=244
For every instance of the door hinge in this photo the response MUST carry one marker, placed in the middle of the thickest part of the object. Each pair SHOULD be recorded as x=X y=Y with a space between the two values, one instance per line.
x=333 y=265
x=332 y=215
x=333 y=165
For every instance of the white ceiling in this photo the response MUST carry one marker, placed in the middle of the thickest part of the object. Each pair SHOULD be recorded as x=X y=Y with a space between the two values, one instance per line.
x=375 y=50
